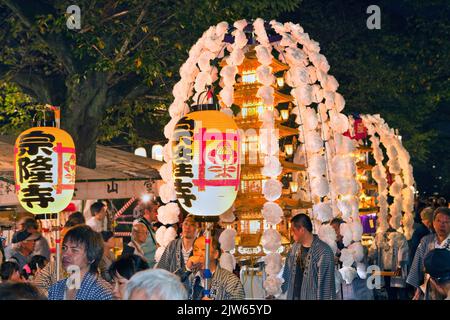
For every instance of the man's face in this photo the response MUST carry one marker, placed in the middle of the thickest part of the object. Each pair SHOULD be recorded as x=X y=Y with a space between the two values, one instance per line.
x=74 y=254
x=441 y=225
x=152 y=213
x=189 y=229
x=199 y=250
x=297 y=233
x=102 y=213
x=139 y=233
x=21 y=225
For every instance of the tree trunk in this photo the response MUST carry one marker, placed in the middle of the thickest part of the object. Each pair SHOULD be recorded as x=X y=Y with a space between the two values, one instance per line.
x=82 y=114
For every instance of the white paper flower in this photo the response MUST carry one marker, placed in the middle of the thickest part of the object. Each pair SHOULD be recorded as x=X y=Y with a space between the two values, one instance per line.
x=357 y=229
x=346 y=232
x=167 y=151
x=227 y=95
x=227 y=239
x=227 y=261
x=328 y=235
x=273 y=263
x=357 y=250
x=169 y=128
x=272 y=167
x=271 y=240
x=166 y=171
x=344 y=145
x=266 y=94
x=339 y=102
x=338 y=122
x=346 y=257
x=260 y=31
x=221 y=28
x=303 y=94
x=228 y=74
x=322 y=211
x=178 y=109
x=169 y=213
x=299 y=76
x=240 y=24
x=236 y=57
x=319 y=186
x=348 y=274
x=272 y=285
x=203 y=79
x=264 y=75
x=272 y=189
x=310 y=120
x=345 y=207
x=317 y=165
x=169 y=236
x=313 y=141
x=263 y=54
x=317 y=93
x=272 y=212
x=343 y=165
x=361 y=270
x=295 y=56
x=159 y=234
x=204 y=60
x=167 y=192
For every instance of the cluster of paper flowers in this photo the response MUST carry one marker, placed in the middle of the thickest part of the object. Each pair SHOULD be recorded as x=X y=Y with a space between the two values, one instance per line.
x=401 y=189
x=327 y=154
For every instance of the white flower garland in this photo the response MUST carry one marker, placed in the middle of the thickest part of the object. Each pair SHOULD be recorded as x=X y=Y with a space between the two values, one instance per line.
x=196 y=74
x=402 y=188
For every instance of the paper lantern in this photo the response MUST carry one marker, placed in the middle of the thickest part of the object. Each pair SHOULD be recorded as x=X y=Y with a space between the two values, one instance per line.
x=206 y=162
x=45 y=164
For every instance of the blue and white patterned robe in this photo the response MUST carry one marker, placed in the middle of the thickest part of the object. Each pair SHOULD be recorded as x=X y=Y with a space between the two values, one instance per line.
x=92 y=287
x=318 y=277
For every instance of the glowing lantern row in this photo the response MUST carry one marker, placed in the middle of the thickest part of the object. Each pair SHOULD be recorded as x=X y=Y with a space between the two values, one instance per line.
x=206 y=162
x=45 y=164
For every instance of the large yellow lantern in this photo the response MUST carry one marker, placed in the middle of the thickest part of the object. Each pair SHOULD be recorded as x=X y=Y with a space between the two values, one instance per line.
x=206 y=162
x=45 y=164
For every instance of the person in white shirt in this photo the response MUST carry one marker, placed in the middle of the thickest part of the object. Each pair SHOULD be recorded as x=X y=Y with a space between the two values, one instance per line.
x=98 y=211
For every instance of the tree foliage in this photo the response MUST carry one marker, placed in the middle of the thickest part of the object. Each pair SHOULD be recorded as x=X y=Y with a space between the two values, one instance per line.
x=119 y=68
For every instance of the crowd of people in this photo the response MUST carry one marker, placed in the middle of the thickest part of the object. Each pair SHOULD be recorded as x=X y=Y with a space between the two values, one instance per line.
x=89 y=270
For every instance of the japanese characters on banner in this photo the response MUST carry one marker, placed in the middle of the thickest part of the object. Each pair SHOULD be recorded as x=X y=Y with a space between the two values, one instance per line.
x=206 y=163
x=45 y=165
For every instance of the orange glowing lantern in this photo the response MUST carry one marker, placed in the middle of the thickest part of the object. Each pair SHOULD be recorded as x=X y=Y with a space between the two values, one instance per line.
x=206 y=163
x=45 y=164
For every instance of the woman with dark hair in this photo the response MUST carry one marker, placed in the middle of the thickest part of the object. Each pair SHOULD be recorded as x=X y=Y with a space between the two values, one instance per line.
x=82 y=250
x=10 y=271
x=122 y=270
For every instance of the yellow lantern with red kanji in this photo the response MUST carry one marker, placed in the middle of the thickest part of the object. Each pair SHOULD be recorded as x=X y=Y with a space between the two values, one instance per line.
x=206 y=162
x=45 y=165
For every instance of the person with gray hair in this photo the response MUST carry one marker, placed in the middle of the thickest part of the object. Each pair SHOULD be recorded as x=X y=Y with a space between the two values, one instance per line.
x=155 y=284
